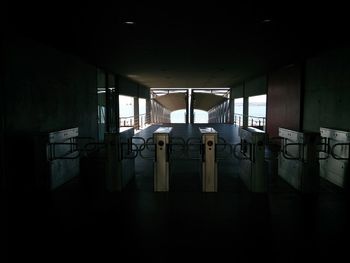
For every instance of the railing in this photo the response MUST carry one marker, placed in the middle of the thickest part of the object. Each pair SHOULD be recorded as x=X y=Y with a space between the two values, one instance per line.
x=130 y=121
x=219 y=113
x=126 y=121
x=253 y=121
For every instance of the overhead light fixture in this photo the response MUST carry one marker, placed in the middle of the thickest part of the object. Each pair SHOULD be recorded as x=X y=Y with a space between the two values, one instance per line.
x=266 y=21
x=129 y=22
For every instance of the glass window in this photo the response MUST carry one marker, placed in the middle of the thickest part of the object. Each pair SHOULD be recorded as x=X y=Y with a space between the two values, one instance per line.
x=200 y=116
x=239 y=106
x=257 y=111
x=178 y=116
x=126 y=111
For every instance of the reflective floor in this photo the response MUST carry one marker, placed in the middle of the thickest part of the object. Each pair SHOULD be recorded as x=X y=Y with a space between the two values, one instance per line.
x=81 y=221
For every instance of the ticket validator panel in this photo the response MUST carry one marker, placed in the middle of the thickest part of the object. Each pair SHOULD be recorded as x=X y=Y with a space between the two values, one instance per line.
x=209 y=164
x=119 y=171
x=161 y=139
x=253 y=166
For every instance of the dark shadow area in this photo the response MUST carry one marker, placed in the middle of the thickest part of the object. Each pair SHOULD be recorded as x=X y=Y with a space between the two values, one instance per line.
x=82 y=221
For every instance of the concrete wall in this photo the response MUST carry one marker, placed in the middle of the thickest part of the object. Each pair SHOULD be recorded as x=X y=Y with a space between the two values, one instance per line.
x=252 y=87
x=44 y=90
x=48 y=90
x=237 y=91
x=327 y=91
x=130 y=88
x=256 y=86
x=284 y=99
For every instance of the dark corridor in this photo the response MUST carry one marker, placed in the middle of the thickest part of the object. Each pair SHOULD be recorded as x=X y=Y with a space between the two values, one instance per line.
x=80 y=221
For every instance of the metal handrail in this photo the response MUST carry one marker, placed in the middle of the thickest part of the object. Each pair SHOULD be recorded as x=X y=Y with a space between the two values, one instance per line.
x=300 y=151
x=252 y=120
x=340 y=144
x=242 y=153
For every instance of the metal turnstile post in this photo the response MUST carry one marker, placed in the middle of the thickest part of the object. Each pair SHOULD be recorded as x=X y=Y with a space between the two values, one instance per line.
x=119 y=171
x=253 y=166
x=56 y=158
x=209 y=164
x=161 y=139
x=334 y=158
x=297 y=160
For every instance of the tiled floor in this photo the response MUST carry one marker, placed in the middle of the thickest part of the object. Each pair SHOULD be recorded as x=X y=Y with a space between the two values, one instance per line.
x=81 y=221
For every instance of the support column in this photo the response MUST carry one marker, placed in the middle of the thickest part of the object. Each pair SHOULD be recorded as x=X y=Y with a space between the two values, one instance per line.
x=191 y=108
x=232 y=107
x=245 y=112
x=148 y=111
x=136 y=114
x=108 y=104
x=152 y=111
x=187 y=105
x=116 y=100
x=112 y=104
x=245 y=108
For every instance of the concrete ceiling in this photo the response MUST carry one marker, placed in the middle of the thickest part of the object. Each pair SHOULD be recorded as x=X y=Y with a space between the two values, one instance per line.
x=177 y=45
x=205 y=101
x=173 y=101
x=201 y=101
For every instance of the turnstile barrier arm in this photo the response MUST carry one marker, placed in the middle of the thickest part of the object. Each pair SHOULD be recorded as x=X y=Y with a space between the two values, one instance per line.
x=340 y=144
x=132 y=148
x=324 y=148
x=52 y=151
x=236 y=155
x=221 y=147
x=300 y=151
x=131 y=151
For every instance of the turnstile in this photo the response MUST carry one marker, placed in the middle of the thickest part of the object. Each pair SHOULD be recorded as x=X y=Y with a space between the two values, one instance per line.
x=119 y=170
x=161 y=139
x=297 y=159
x=56 y=158
x=334 y=157
x=252 y=164
x=209 y=164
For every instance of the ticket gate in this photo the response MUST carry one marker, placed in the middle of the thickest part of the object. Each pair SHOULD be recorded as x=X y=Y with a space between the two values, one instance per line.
x=298 y=159
x=252 y=164
x=56 y=158
x=209 y=175
x=119 y=170
x=161 y=138
x=334 y=157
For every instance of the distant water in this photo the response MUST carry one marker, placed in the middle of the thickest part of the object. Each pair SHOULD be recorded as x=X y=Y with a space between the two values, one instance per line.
x=254 y=110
